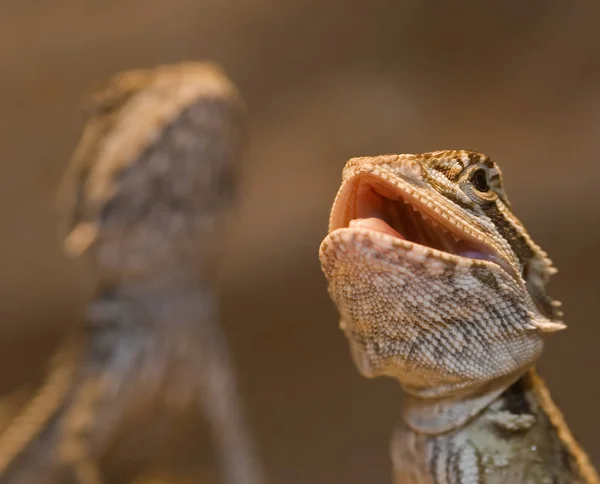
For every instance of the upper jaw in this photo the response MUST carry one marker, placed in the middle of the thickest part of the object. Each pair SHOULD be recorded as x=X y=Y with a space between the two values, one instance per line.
x=409 y=214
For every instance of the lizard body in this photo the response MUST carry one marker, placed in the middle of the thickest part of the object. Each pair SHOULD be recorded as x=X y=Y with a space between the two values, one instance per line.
x=440 y=286
x=146 y=192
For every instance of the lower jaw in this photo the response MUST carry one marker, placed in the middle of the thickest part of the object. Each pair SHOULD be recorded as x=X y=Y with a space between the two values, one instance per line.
x=383 y=249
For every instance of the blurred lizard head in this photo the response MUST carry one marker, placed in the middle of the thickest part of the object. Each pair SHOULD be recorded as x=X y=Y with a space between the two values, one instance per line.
x=154 y=171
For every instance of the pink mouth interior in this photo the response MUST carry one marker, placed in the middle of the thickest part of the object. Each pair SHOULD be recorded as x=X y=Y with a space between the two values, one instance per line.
x=380 y=208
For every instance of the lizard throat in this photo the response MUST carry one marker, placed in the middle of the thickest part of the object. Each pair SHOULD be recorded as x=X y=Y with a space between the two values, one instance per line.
x=372 y=204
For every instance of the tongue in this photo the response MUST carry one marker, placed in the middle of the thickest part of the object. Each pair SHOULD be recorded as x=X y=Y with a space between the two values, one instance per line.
x=375 y=224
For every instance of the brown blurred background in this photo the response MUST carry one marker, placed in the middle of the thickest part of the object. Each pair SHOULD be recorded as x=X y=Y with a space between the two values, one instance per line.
x=324 y=80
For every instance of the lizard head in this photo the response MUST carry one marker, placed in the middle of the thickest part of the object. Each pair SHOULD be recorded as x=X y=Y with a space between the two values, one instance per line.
x=153 y=171
x=437 y=282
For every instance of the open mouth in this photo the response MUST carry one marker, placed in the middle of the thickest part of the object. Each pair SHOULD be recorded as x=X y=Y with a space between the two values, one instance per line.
x=371 y=203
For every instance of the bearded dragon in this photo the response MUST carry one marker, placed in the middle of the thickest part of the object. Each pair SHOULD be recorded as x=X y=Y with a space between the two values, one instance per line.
x=440 y=286
x=145 y=195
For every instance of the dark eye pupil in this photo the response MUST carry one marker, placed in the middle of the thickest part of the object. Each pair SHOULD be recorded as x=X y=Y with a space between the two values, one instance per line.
x=480 y=181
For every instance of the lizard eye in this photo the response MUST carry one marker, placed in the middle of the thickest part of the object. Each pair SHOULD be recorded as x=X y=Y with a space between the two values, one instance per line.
x=479 y=181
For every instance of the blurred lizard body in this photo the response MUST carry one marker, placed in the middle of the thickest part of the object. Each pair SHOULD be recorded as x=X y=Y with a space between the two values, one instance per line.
x=439 y=286
x=146 y=192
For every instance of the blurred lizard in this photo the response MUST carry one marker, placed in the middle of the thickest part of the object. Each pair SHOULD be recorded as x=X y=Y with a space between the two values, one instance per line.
x=440 y=286
x=146 y=193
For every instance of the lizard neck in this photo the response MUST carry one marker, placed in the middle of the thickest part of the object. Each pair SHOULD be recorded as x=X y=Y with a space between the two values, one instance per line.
x=521 y=415
x=152 y=304
x=440 y=414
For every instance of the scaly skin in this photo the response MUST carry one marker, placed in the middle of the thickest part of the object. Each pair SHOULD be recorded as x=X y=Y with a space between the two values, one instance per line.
x=439 y=286
x=146 y=192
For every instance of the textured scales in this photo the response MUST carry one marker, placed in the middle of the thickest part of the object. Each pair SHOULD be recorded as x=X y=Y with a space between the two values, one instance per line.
x=439 y=286
x=145 y=194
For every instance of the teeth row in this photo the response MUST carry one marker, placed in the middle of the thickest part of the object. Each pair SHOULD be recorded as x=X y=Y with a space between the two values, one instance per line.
x=428 y=229
x=425 y=199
